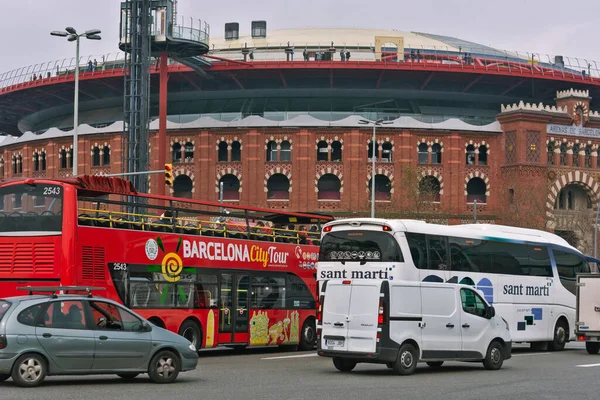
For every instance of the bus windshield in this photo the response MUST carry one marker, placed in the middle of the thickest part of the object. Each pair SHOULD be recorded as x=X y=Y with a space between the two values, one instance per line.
x=30 y=208
x=360 y=245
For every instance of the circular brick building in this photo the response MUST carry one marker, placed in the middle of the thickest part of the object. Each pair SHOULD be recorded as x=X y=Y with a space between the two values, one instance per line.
x=284 y=119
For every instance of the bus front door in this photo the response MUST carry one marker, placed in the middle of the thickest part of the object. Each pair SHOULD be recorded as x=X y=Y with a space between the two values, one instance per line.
x=233 y=308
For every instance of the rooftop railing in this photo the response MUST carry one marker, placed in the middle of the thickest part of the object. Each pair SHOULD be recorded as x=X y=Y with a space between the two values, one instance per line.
x=511 y=62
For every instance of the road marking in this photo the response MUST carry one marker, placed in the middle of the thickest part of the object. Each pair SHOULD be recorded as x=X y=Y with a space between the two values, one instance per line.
x=296 y=356
x=588 y=365
x=530 y=354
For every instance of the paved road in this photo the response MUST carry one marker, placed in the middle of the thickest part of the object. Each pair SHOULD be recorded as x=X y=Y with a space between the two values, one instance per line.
x=275 y=374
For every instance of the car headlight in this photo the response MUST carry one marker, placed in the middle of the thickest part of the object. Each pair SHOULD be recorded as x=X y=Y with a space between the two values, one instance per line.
x=192 y=347
x=506 y=323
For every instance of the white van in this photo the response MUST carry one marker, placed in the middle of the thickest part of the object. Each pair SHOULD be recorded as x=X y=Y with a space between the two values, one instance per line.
x=401 y=323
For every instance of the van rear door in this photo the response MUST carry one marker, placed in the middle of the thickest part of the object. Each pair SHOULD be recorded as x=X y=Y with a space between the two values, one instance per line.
x=350 y=312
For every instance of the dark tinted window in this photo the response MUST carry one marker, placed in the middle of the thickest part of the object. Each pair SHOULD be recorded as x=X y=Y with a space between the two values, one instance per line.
x=29 y=316
x=4 y=306
x=298 y=294
x=64 y=315
x=268 y=291
x=568 y=266
x=438 y=252
x=418 y=249
x=31 y=208
x=360 y=246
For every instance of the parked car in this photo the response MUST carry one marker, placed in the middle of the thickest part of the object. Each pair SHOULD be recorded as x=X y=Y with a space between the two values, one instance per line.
x=81 y=334
x=402 y=323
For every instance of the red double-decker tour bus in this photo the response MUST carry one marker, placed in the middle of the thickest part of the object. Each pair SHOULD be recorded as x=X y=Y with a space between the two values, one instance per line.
x=216 y=273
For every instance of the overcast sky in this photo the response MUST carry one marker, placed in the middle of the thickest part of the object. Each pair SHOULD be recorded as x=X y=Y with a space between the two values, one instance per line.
x=569 y=28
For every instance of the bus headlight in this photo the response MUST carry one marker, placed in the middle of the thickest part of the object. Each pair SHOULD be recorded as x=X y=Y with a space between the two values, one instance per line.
x=506 y=324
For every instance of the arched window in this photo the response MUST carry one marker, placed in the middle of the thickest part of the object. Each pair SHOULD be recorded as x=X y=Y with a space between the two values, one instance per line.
x=286 y=151
x=278 y=187
x=20 y=163
x=222 y=155
x=70 y=158
x=383 y=188
x=476 y=190
x=483 y=154
x=272 y=151
x=63 y=159
x=176 y=152
x=550 y=155
x=236 y=151
x=2 y=169
x=563 y=154
x=36 y=161
x=336 y=151
x=570 y=202
x=188 y=153
x=14 y=163
x=576 y=155
x=43 y=160
x=370 y=151
x=96 y=156
x=588 y=156
x=106 y=155
x=436 y=153
x=322 y=151
x=423 y=153
x=329 y=187
x=182 y=187
x=386 y=154
x=429 y=189
x=231 y=187
x=470 y=157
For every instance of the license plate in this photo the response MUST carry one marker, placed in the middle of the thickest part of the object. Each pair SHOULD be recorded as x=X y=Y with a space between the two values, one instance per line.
x=334 y=343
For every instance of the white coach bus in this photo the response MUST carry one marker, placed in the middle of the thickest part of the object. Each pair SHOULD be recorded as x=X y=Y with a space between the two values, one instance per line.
x=529 y=276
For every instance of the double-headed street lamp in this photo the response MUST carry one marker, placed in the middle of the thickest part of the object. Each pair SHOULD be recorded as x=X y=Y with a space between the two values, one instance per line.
x=373 y=146
x=72 y=35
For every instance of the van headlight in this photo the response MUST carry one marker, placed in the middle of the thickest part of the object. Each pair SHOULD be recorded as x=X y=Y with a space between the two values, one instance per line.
x=192 y=347
x=506 y=324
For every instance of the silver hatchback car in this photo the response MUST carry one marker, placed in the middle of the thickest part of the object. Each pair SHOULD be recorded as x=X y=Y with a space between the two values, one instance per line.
x=79 y=334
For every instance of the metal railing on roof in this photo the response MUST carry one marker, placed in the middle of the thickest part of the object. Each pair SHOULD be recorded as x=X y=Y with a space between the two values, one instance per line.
x=511 y=62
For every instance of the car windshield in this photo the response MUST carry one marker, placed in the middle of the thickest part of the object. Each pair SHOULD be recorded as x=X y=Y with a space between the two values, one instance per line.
x=4 y=306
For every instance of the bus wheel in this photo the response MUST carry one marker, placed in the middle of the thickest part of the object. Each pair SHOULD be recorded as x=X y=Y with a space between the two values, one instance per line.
x=308 y=336
x=192 y=332
x=560 y=336
x=592 y=347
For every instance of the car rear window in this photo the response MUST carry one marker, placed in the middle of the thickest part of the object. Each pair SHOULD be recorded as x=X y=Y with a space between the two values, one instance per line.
x=4 y=306
x=360 y=245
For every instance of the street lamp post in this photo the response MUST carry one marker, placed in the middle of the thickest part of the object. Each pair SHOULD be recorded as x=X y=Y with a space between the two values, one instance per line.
x=72 y=35
x=373 y=147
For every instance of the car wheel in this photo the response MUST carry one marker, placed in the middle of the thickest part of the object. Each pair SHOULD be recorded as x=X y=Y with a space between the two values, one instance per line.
x=192 y=332
x=435 y=364
x=494 y=357
x=343 y=364
x=592 y=347
x=560 y=336
x=406 y=363
x=164 y=367
x=4 y=377
x=29 y=370
x=308 y=336
x=128 y=377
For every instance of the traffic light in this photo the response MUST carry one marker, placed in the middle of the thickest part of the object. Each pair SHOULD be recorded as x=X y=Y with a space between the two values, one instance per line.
x=169 y=174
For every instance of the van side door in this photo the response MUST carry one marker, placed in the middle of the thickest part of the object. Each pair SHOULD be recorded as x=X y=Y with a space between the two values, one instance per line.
x=441 y=331
x=475 y=324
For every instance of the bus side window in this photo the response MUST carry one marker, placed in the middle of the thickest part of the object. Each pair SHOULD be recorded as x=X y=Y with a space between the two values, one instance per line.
x=418 y=249
x=438 y=252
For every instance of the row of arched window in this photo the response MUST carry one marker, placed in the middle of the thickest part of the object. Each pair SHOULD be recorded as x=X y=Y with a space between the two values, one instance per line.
x=100 y=156
x=576 y=148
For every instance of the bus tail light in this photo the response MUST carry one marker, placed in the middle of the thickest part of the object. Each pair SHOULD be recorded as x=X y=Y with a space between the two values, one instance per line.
x=327 y=229
x=386 y=228
x=3 y=342
x=381 y=316
x=320 y=309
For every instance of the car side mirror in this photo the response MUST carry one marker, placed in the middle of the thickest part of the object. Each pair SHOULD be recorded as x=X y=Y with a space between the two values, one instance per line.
x=146 y=327
x=492 y=312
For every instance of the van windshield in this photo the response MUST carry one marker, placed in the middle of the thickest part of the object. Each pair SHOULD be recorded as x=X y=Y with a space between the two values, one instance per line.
x=4 y=306
x=357 y=245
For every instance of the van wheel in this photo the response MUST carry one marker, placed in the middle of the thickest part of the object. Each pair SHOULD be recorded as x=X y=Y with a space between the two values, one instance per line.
x=435 y=364
x=308 y=336
x=29 y=370
x=343 y=364
x=192 y=332
x=592 y=347
x=561 y=334
x=406 y=363
x=494 y=357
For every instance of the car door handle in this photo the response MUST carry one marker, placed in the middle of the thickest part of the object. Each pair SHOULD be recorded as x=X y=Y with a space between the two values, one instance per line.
x=466 y=325
x=449 y=325
x=103 y=337
x=47 y=335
